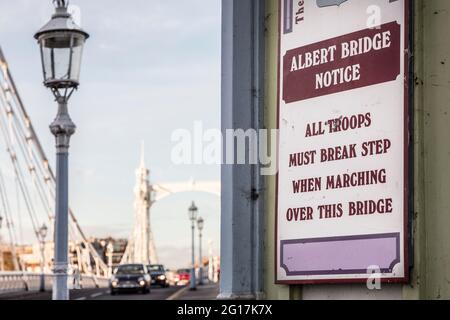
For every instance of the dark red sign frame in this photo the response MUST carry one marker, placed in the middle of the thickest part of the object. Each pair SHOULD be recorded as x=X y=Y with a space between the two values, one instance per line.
x=407 y=241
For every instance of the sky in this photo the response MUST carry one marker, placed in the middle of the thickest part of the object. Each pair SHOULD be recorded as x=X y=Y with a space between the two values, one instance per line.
x=150 y=67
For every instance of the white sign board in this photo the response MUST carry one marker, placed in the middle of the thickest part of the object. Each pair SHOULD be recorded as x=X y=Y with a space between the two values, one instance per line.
x=342 y=186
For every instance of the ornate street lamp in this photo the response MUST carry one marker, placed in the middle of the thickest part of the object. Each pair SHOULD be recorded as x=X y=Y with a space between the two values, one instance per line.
x=43 y=232
x=42 y=235
x=61 y=42
x=193 y=212
x=110 y=253
x=200 y=225
x=193 y=217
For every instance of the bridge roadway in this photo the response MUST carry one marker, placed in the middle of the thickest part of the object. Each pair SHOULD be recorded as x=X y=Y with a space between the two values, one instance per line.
x=99 y=294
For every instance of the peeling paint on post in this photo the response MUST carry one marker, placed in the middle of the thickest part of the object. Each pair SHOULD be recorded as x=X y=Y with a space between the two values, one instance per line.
x=242 y=227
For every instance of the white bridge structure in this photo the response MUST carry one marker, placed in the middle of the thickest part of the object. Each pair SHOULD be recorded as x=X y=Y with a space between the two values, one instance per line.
x=34 y=187
x=166 y=189
x=141 y=245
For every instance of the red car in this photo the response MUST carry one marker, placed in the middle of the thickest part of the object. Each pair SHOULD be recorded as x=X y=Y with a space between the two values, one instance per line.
x=183 y=277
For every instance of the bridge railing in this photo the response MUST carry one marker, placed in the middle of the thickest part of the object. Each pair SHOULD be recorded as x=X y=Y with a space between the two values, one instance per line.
x=87 y=282
x=19 y=281
x=13 y=282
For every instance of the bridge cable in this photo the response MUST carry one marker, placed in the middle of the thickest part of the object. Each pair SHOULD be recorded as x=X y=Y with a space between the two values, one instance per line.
x=19 y=175
x=43 y=164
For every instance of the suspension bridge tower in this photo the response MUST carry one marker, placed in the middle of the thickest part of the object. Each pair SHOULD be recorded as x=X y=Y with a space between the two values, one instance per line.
x=141 y=247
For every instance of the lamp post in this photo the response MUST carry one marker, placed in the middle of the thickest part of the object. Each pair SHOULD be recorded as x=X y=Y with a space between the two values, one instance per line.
x=61 y=43
x=193 y=217
x=1 y=252
x=104 y=253
x=200 y=225
x=110 y=252
x=42 y=235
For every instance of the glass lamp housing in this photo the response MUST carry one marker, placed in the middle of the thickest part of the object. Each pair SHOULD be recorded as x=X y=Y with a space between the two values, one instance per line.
x=61 y=59
x=193 y=212
x=43 y=231
x=200 y=223
x=61 y=42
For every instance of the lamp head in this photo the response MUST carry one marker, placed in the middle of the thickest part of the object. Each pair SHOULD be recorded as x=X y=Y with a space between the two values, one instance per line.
x=61 y=42
x=43 y=231
x=193 y=211
x=200 y=223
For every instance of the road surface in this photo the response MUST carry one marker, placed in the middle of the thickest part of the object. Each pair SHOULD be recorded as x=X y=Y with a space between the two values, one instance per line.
x=99 y=294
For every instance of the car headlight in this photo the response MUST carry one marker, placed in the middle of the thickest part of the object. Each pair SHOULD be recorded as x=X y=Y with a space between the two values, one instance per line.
x=141 y=281
x=114 y=282
x=162 y=277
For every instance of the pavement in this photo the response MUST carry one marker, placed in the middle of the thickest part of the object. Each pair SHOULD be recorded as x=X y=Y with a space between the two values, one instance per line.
x=204 y=292
x=95 y=294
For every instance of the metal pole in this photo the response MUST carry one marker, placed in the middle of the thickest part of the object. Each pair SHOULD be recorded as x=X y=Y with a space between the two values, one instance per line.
x=193 y=280
x=200 y=268
x=110 y=251
x=42 y=280
x=210 y=262
x=109 y=264
x=1 y=223
x=62 y=128
x=1 y=259
x=242 y=193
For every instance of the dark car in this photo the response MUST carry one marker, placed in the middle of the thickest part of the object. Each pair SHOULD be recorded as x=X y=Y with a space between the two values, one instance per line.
x=158 y=274
x=130 y=277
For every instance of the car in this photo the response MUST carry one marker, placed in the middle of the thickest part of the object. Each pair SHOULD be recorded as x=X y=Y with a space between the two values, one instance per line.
x=130 y=277
x=158 y=274
x=170 y=274
x=183 y=277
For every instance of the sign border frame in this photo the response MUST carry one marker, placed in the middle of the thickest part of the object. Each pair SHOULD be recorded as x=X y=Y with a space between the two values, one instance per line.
x=408 y=151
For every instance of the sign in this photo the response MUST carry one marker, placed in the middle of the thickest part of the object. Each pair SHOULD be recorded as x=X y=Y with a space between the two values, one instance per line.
x=343 y=112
